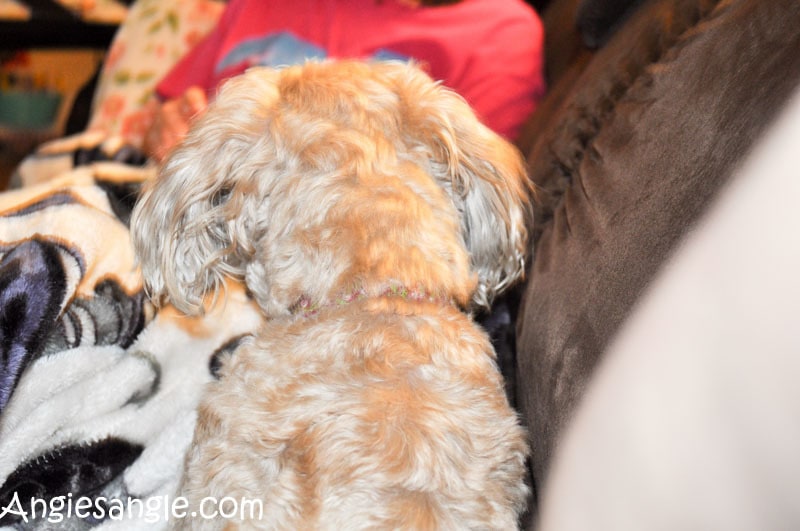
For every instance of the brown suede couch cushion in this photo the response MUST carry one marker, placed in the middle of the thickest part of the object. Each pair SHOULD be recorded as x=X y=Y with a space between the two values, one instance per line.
x=597 y=20
x=628 y=150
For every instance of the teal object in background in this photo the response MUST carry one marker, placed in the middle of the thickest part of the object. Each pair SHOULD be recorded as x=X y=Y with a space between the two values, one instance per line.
x=35 y=109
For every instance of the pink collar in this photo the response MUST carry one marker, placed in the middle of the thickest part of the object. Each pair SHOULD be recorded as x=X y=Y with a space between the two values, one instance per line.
x=305 y=307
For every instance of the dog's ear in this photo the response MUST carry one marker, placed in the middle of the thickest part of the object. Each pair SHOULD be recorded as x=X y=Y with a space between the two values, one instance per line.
x=494 y=196
x=193 y=225
x=484 y=174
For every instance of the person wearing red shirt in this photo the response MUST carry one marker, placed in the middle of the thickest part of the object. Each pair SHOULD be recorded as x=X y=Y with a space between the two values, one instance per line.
x=489 y=51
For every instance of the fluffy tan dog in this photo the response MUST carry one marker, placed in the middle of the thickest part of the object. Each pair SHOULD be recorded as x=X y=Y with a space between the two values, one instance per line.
x=365 y=207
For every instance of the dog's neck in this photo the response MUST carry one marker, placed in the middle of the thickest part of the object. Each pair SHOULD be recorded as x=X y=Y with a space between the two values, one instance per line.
x=307 y=308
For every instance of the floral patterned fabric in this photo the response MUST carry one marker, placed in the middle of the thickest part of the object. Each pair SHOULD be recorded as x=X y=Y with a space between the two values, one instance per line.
x=154 y=36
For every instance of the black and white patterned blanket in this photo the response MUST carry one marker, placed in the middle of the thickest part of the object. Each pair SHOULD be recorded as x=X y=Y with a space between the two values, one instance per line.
x=97 y=390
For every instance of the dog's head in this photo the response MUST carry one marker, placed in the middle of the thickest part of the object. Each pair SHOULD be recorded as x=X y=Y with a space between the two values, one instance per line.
x=317 y=179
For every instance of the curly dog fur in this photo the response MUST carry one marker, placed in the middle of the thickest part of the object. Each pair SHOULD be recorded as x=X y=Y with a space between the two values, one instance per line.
x=365 y=208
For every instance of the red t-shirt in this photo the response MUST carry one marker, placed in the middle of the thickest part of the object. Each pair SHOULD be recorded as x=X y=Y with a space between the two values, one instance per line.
x=489 y=51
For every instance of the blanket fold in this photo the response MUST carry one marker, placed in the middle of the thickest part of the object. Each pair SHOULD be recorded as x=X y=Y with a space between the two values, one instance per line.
x=98 y=390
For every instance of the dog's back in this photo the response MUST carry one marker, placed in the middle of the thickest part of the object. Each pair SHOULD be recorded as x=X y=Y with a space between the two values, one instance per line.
x=379 y=413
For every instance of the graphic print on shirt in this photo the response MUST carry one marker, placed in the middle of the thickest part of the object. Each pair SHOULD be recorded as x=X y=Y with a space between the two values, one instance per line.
x=282 y=49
